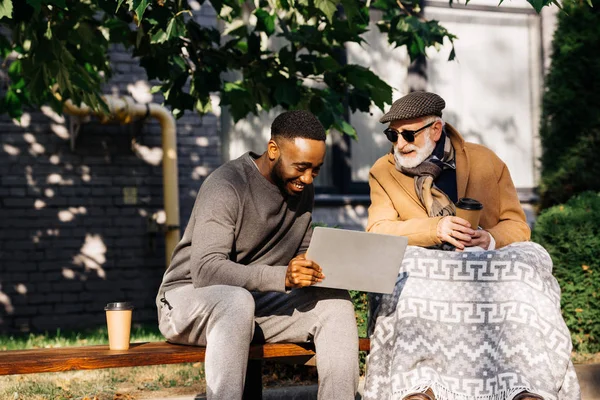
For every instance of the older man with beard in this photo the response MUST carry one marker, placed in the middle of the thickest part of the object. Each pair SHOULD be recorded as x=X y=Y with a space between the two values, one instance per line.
x=468 y=325
x=414 y=188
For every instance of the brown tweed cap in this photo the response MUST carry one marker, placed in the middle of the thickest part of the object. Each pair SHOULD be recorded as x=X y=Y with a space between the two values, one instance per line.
x=415 y=105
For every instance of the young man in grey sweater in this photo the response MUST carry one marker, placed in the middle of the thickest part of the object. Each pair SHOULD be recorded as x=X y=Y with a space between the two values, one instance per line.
x=240 y=267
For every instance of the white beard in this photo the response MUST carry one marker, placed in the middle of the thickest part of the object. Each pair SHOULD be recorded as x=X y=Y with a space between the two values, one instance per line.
x=422 y=153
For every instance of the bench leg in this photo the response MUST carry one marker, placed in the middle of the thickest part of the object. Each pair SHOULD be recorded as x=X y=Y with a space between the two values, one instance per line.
x=253 y=385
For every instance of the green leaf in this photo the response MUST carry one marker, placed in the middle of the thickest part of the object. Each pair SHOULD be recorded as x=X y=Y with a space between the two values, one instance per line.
x=118 y=5
x=265 y=21
x=6 y=8
x=175 y=28
x=203 y=107
x=537 y=4
x=12 y=104
x=159 y=36
x=452 y=55
x=328 y=7
x=140 y=7
x=287 y=93
x=36 y=4
x=346 y=128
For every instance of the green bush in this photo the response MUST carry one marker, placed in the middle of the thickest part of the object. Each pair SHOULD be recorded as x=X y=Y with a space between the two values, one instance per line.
x=571 y=234
x=570 y=123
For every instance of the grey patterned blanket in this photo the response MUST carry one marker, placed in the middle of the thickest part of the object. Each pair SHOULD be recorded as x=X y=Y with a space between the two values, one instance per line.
x=472 y=326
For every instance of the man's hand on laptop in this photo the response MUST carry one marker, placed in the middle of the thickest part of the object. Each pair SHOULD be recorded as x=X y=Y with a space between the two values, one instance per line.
x=302 y=272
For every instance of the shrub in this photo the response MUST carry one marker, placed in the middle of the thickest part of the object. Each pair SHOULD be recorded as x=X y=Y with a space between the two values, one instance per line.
x=571 y=234
x=570 y=123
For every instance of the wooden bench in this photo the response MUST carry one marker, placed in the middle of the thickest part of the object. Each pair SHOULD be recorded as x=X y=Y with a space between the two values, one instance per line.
x=60 y=359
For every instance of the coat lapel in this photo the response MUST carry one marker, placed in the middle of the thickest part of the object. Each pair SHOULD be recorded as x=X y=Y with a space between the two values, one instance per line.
x=462 y=160
x=406 y=182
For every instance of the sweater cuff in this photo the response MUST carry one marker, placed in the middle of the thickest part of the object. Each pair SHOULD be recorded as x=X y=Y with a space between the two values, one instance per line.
x=492 y=245
x=433 y=230
x=273 y=278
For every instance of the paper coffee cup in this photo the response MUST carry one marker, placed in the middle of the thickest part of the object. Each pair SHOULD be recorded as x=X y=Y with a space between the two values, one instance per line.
x=469 y=209
x=118 y=321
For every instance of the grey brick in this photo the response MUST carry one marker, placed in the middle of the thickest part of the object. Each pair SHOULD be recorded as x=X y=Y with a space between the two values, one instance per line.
x=67 y=286
x=69 y=308
x=26 y=310
x=87 y=296
x=45 y=309
x=18 y=203
x=18 y=277
x=96 y=286
x=18 y=192
x=100 y=181
x=70 y=298
x=53 y=297
x=22 y=324
x=43 y=287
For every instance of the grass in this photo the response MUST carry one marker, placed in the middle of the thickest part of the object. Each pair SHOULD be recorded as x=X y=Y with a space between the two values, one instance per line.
x=105 y=384
x=139 y=333
x=134 y=383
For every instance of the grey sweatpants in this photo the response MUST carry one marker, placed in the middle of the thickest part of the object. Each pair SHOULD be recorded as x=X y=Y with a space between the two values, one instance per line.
x=222 y=318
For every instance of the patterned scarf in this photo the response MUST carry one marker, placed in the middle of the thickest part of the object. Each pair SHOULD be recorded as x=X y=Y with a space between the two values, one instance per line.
x=436 y=202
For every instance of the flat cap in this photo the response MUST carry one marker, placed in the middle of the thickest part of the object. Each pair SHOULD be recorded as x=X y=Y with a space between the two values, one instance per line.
x=415 y=105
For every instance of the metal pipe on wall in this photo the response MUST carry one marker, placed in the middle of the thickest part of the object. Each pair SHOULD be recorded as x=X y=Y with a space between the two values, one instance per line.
x=125 y=110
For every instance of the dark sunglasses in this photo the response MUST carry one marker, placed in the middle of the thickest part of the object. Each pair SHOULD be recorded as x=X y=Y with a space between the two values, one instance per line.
x=409 y=136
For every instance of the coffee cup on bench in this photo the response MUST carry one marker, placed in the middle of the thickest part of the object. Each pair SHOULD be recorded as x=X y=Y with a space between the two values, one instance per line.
x=118 y=321
x=469 y=209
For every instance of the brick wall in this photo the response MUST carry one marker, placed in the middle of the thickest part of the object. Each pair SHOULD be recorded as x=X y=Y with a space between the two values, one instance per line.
x=75 y=222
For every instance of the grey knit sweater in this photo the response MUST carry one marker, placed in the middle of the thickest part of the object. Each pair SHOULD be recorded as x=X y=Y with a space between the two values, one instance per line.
x=242 y=232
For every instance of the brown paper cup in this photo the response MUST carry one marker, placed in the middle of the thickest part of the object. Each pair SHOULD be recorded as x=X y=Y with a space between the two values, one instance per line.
x=469 y=209
x=118 y=322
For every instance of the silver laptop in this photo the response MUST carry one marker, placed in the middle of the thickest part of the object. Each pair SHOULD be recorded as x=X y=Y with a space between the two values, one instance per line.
x=355 y=260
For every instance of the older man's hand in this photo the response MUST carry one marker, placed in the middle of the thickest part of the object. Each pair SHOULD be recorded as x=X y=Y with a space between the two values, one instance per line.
x=481 y=238
x=456 y=231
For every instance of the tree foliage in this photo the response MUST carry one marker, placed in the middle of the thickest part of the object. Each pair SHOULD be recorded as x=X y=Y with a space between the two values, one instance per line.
x=269 y=53
x=570 y=126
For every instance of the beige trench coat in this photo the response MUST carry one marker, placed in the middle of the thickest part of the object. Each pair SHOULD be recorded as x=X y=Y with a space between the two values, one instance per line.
x=395 y=207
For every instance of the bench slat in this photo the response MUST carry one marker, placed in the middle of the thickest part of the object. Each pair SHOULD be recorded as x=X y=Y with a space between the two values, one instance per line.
x=139 y=354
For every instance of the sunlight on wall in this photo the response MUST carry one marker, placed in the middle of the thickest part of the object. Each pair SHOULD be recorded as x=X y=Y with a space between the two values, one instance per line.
x=29 y=176
x=12 y=150
x=21 y=288
x=35 y=148
x=25 y=120
x=48 y=112
x=5 y=301
x=202 y=141
x=140 y=91
x=194 y=5
x=40 y=234
x=160 y=217
x=151 y=155
x=199 y=172
x=60 y=131
x=84 y=170
x=69 y=215
x=56 y=179
x=91 y=256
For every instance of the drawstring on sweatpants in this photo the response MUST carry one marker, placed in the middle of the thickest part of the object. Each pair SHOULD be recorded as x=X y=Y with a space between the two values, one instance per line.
x=165 y=302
